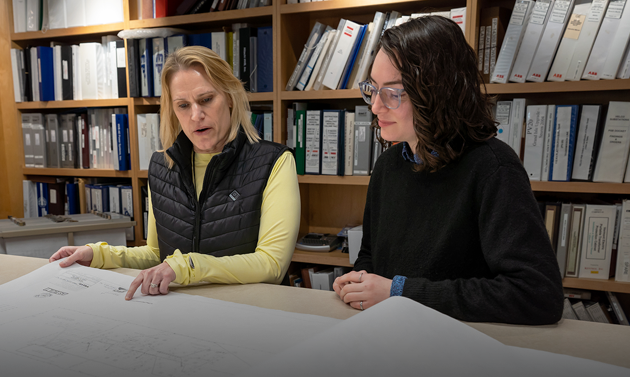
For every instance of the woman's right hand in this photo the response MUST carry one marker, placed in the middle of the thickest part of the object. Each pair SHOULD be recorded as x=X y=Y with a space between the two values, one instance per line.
x=80 y=254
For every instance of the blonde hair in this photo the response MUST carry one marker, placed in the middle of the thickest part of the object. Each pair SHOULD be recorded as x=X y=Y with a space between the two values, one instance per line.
x=221 y=77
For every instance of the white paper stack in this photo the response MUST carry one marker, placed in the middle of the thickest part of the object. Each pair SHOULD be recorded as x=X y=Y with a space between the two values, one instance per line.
x=550 y=40
x=512 y=40
x=531 y=39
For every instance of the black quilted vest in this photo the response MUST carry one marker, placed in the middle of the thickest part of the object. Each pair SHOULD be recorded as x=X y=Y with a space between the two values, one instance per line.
x=225 y=219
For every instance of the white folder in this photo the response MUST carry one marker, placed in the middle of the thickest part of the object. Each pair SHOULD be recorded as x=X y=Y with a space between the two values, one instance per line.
x=613 y=152
x=341 y=54
x=531 y=39
x=577 y=22
x=603 y=46
x=558 y=19
x=534 y=140
x=512 y=40
x=586 y=40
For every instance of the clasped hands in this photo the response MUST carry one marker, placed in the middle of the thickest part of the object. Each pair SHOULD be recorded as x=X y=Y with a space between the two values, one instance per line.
x=154 y=281
x=362 y=290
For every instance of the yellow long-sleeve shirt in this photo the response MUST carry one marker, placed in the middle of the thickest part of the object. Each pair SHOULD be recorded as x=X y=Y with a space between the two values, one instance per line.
x=279 y=223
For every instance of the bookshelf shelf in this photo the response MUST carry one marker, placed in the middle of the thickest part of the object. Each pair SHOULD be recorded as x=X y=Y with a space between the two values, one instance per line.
x=253 y=97
x=77 y=172
x=581 y=187
x=43 y=105
x=597 y=285
x=334 y=180
x=364 y=5
x=203 y=19
x=320 y=94
x=558 y=87
x=334 y=258
x=72 y=32
x=143 y=174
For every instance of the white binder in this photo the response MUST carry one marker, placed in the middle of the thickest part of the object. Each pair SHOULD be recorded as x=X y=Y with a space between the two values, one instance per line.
x=341 y=54
x=504 y=116
x=585 y=142
x=550 y=40
x=534 y=140
x=586 y=40
x=512 y=40
x=613 y=153
x=531 y=39
x=568 y=45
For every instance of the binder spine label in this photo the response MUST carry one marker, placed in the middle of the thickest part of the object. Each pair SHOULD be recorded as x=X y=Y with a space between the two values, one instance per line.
x=597 y=10
x=575 y=26
x=519 y=12
x=540 y=12
x=615 y=9
x=559 y=11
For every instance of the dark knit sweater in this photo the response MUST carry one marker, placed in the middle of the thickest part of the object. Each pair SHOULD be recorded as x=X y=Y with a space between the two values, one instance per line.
x=469 y=238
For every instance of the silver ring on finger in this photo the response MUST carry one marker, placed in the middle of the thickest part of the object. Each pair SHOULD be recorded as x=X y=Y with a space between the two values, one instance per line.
x=153 y=285
x=361 y=305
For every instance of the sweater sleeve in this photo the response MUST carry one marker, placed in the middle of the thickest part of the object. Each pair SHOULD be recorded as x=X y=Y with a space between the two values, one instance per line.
x=279 y=223
x=527 y=286
x=142 y=257
x=364 y=260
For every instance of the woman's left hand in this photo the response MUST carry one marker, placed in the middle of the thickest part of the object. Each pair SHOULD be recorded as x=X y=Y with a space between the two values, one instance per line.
x=154 y=281
x=362 y=290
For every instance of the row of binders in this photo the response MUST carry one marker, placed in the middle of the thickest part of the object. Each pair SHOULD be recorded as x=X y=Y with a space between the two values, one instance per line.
x=584 y=306
x=568 y=142
x=61 y=196
x=63 y=72
x=333 y=142
x=589 y=239
x=148 y=9
x=35 y=15
x=563 y=40
x=340 y=58
x=248 y=50
x=93 y=138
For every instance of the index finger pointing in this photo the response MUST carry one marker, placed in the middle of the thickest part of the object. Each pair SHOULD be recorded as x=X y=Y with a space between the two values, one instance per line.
x=134 y=286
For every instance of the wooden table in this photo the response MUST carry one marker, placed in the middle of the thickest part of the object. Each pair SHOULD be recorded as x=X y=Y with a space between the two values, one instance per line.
x=596 y=341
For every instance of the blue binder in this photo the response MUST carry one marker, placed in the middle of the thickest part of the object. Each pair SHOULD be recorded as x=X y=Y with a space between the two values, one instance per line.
x=353 y=56
x=575 y=109
x=204 y=39
x=265 y=59
x=47 y=71
x=122 y=147
x=146 y=66
x=42 y=199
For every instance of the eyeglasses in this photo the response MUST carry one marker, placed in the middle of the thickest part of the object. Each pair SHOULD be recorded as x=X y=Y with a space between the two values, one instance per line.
x=389 y=96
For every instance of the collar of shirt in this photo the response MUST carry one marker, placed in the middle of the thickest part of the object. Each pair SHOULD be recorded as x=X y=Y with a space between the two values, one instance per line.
x=408 y=156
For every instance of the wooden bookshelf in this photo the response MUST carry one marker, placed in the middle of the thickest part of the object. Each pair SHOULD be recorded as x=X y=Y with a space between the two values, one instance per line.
x=328 y=202
x=76 y=172
x=44 y=105
x=333 y=258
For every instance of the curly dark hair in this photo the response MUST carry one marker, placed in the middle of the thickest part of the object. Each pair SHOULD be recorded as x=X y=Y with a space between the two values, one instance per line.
x=440 y=76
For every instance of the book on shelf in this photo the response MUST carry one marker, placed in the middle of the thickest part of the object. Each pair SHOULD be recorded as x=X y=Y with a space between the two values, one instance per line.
x=503 y=115
x=587 y=143
x=349 y=143
x=350 y=62
x=29 y=198
x=610 y=43
x=615 y=144
x=513 y=37
x=145 y=48
x=313 y=148
x=622 y=270
x=578 y=212
x=586 y=39
x=309 y=48
x=53 y=149
x=493 y=23
x=120 y=67
x=597 y=240
x=39 y=140
x=363 y=141
x=332 y=139
x=299 y=109
x=535 y=128
x=341 y=53
x=531 y=39
x=550 y=40
x=159 y=48
x=577 y=293
x=567 y=310
x=265 y=59
x=320 y=60
x=552 y=222
x=308 y=69
x=563 y=143
x=620 y=315
x=370 y=51
x=570 y=40
x=564 y=230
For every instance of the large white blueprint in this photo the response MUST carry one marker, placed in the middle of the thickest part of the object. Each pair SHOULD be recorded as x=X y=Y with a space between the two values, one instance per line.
x=399 y=337
x=75 y=322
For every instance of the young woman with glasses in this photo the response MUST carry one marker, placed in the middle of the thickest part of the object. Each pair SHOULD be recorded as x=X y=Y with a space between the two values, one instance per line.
x=450 y=219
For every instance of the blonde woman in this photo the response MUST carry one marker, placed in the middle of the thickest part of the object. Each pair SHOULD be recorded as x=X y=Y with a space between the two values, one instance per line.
x=224 y=205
